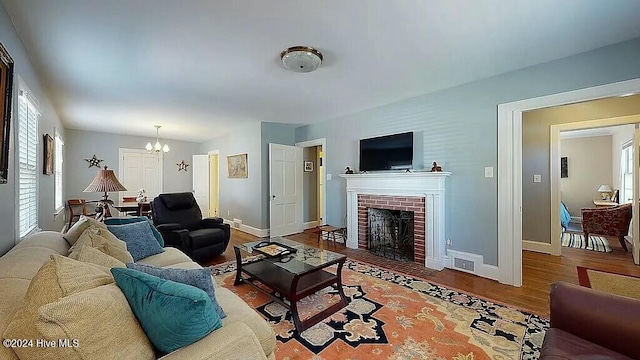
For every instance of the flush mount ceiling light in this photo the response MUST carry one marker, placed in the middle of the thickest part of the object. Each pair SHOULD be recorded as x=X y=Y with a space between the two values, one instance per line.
x=157 y=147
x=301 y=58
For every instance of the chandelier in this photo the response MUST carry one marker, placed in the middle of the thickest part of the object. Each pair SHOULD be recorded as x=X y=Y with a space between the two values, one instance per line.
x=157 y=147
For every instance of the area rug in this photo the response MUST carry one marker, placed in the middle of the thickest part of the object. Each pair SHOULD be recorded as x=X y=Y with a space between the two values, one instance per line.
x=395 y=316
x=613 y=283
x=595 y=243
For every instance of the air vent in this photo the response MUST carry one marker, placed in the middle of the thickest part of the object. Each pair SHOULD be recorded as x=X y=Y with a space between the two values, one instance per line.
x=237 y=223
x=463 y=264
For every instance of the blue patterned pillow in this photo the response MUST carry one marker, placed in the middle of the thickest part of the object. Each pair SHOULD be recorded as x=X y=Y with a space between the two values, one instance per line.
x=131 y=219
x=200 y=278
x=172 y=315
x=140 y=240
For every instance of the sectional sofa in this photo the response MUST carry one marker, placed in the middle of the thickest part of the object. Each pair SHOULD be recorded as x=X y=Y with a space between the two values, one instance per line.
x=244 y=334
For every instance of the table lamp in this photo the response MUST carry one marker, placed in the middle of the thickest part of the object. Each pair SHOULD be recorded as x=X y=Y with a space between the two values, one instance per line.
x=105 y=181
x=605 y=191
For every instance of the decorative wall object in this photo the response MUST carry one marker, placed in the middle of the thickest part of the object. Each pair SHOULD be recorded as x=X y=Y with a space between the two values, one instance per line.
x=182 y=165
x=237 y=166
x=308 y=166
x=6 y=92
x=94 y=161
x=564 y=168
x=47 y=155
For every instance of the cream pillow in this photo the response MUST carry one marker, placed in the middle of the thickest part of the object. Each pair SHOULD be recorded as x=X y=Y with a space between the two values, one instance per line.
x=97 y=256
x=105 y=329
x=57 y=278
x=79 y=227
x=95 y=237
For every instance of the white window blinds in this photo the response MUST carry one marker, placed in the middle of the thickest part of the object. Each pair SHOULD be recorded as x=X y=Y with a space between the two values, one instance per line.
x=28 y=115
x=57 y=172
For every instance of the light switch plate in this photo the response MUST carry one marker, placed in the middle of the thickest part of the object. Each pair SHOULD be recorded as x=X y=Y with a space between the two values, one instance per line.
x=488 y=171
x=329 y=176
x=537 y=178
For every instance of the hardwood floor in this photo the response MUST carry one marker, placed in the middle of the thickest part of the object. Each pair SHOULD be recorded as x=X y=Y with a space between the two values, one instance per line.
x=539 y=270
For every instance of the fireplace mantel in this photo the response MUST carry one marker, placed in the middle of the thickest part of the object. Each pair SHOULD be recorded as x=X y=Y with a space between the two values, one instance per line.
x=430 y=185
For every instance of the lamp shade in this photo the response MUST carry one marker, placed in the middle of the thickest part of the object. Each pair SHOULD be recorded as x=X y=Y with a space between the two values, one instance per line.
x=105 y=181
x=604 y=188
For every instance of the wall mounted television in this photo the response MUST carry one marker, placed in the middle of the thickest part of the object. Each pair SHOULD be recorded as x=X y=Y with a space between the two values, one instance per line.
x=390 y=152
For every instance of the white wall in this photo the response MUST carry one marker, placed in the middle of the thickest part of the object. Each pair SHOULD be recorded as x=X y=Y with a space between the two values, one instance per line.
x=621 y=135
x=589 y=166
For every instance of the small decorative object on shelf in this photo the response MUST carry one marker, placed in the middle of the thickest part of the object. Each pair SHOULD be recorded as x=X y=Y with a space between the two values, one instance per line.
x=182 y=165
x=436 y=167
x=348 y=170
x=141 y=196
x=94 y=161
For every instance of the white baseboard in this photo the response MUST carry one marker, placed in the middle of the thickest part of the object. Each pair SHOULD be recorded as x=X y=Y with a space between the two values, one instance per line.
x=310 y=224
x=536 y=246
x=248 y=229
x=479 y=267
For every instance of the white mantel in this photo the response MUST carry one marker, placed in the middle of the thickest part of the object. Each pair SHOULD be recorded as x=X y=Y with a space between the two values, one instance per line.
x=430 y=185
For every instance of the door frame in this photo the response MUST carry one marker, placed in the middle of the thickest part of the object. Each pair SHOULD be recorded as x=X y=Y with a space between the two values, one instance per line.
x=144 y=152
x=510 y=168
x=214 y=152
x=322 y=142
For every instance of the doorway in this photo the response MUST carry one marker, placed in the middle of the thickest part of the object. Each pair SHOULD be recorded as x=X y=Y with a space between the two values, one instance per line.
x=314 y=192
x=510 y=168
x=214 y=183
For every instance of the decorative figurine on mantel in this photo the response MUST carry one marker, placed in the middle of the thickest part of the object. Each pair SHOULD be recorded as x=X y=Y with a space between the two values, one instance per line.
x=348 y=170
x=436 y=167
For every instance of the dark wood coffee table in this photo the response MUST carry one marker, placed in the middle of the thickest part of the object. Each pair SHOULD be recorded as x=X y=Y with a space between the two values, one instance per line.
x=292 y=277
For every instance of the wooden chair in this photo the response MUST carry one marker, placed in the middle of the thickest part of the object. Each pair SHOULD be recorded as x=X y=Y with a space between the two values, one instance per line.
x=144 y=209
x=130 y=199
x=76 y=208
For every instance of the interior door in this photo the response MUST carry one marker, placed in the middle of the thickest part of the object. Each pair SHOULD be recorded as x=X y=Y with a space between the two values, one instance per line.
x=285 y=184
x=200 y=164
x=214 y=189
x=139 y=169
x=635 y=223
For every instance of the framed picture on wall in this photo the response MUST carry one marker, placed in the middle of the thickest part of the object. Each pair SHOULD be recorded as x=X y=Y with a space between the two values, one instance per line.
x=564 y=168
x=6 y=92
x=308 y=166
x=47 y=154
x=237 y=166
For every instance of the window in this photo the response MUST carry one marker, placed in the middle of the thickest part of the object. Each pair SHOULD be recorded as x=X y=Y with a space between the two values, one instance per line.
x=27 y=154
x=57 y=172
x=626 y=168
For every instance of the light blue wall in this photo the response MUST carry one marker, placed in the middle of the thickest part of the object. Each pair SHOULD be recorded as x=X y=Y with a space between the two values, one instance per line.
x=82 y=145
x=48 y=121
x=458 y=129
x=240 y=198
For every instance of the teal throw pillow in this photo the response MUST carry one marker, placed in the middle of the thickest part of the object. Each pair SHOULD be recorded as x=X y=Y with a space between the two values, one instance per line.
x=173 y=315
x=132 y=219
x=140 y=240
x=200 y=278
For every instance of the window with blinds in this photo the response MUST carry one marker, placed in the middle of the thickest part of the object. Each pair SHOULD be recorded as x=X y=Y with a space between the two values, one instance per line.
x=28 y=115
x=57 y=172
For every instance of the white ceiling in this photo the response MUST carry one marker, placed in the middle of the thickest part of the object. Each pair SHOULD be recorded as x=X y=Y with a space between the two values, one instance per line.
x=198 y=67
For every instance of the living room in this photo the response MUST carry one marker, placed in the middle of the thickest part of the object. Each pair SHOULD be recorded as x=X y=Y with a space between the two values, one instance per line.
x=104 y=75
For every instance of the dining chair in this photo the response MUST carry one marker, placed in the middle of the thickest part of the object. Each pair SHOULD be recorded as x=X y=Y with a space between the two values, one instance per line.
x=76 y=208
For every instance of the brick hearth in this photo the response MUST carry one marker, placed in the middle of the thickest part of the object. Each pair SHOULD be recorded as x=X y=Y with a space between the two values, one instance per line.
x=403 y=203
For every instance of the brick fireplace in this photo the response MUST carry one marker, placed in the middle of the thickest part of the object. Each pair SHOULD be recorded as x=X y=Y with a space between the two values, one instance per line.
x=420 y=192
x=402 y=203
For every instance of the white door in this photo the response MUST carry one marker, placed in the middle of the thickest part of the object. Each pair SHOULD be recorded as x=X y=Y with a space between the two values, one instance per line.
x=285 y=184
x=200 y=170
x=140 y=170
x=635 y=221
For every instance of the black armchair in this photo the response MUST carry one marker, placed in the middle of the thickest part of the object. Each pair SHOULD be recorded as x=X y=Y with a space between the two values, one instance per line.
x=178 y=218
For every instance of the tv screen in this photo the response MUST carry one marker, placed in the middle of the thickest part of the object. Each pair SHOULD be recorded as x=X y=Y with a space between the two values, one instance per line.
x=391 y=152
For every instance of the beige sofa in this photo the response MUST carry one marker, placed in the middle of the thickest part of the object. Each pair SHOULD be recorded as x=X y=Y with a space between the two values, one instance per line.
x=244 y=334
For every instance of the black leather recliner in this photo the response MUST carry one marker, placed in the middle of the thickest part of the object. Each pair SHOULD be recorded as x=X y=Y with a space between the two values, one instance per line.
x=178 y=218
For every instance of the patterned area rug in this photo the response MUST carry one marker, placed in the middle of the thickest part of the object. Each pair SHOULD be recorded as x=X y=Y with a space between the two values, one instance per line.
x=613 y=283
x=595 y=243
x=395 y=316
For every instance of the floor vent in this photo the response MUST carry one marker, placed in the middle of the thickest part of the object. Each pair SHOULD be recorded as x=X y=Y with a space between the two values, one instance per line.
x=237 y=223
x=463 y=264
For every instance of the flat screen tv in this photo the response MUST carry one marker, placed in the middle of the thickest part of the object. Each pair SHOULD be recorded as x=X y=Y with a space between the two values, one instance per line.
x=391 y=152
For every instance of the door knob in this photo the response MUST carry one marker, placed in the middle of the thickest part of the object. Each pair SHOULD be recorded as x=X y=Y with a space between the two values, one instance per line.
x=273 y=197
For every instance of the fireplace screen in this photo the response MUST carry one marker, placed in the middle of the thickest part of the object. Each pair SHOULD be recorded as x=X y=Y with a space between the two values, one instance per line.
x=391 y=233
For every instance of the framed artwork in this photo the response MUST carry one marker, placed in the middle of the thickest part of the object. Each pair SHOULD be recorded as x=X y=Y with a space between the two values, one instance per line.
x=308 y=166
x=564 y=168
x=6 y=92
x=237 y=166
x=47 y=155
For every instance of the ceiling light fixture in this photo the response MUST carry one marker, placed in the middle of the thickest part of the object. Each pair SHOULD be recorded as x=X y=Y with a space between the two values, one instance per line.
x=301 y=59
x=157 y=147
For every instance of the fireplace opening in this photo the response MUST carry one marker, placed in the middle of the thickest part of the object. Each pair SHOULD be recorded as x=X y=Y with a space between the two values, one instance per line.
x=391 y=234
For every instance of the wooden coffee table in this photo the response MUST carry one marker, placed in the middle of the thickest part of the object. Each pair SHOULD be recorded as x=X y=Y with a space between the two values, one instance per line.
x=292 y=277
